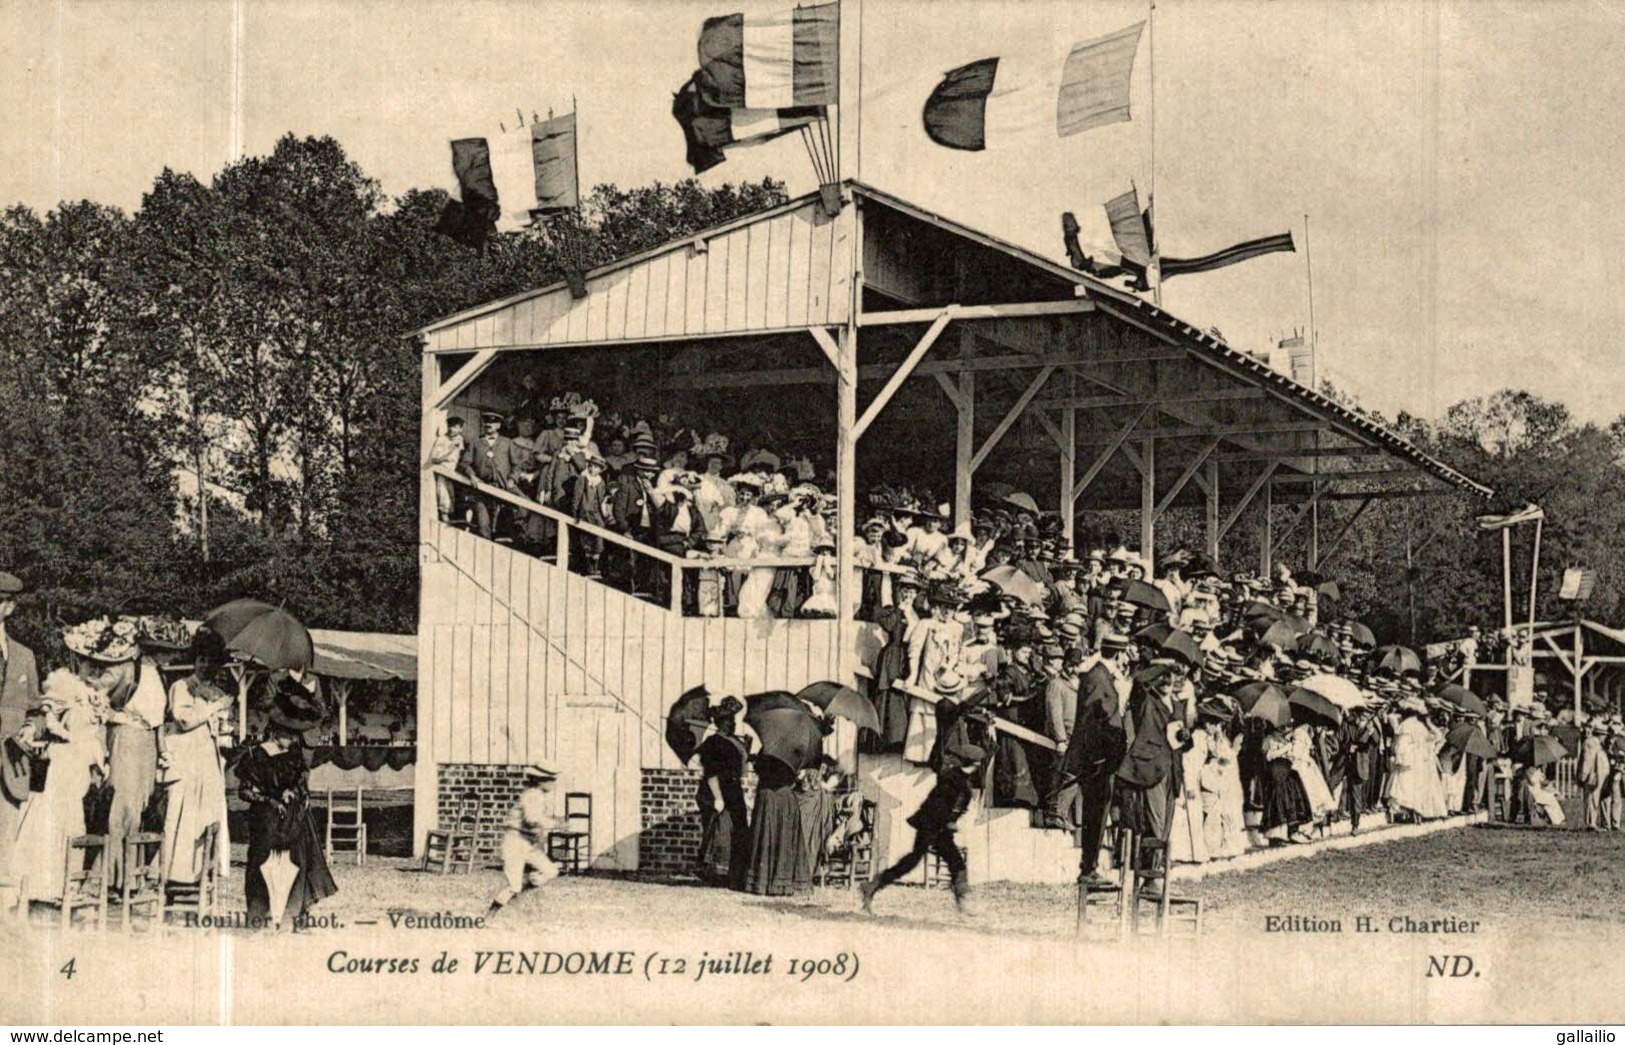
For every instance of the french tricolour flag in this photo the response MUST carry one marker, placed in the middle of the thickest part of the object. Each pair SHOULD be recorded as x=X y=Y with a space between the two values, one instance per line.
x=776 y=61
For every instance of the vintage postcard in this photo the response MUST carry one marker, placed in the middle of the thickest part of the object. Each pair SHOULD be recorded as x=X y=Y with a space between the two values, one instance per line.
x=866 y=512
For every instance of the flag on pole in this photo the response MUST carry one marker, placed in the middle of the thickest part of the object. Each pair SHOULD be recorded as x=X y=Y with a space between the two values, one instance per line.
x=553 y=148
x=1528 y=513
x=1229 y=256
x=472 y=219
x=775 y=61
x=995 y=99
x=1130 y=229
x=709 y=129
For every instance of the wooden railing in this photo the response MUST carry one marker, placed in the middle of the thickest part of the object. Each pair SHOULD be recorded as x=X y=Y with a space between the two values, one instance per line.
x=1000 y=725
x=566 y=524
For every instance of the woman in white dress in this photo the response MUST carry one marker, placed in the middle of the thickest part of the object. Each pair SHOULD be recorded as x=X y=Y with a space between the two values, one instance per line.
x=1224 y=823
x=1321 y=802
x=71 y=735
x=1415 y=787
x=1187 y=837
x=935 y=652
x=197 y=783
x=758 y=530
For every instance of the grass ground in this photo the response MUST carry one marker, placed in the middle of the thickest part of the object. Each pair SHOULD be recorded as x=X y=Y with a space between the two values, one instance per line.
x=1509 y=879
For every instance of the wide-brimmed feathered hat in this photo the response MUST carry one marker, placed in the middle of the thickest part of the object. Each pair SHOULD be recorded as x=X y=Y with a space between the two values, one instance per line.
x=104 y=640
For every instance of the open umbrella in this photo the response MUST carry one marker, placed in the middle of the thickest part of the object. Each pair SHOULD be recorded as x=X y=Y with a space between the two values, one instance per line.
x=1181 y=646
x=1462 y=697
x=687 y=722
x=1253 y=692
x=1309 y=706
x=1258 y=609
x=1147 y=596
x=1329 y=590
x=843 y=701
x=1469 y=739
x=1016 y=583
x=1360 y=634
x=1539 y=750
x=1278 y=633
x=1272 y=707
x=1317 y=645
x=1023 y=501
x=268 y=635
x=1335 y=688
x=787 y=730
x=1396 y=659
x=1155 y=634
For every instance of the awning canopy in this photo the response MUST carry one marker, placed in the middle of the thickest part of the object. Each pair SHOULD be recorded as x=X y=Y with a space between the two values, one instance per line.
x=365 y=655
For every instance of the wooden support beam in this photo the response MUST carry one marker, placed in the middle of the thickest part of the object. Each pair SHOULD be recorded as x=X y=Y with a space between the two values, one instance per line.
x=831 y=350
x=1069 y=464
x=464 y=376
x=1211 y=488
x=965 y=432
x=950 y=390
x=1307 y=452
x=902 y=372
x=1561 y=655
x=1261 y=483
x=1011 y=417
x=1185 y=477
x=1105 y=456
x=1266 y=546
x=1386 y=495
x=1297 y=520
x=1018 y=310
x=1315 y=477
x=1225 y=430
x=1148 y=507
x=1221 y=395
x=1347 y=528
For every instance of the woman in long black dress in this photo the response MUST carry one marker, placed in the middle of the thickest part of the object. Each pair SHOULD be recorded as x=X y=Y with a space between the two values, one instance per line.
x=284 y=854
x=725 y=845
x=1286 y=804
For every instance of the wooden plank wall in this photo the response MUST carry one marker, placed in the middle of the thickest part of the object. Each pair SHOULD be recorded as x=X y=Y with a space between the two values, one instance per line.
x=520 y=657
x=777 y=273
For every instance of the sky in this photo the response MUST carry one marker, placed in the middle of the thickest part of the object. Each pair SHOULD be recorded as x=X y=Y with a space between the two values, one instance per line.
x=1458 y=163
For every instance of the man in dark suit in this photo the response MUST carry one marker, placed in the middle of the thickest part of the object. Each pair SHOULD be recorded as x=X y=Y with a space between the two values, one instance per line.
x=1152 y=773
x=632 y=511
x=934 y=822
x=1100 y=738
x=19 y=699
x=490 y=459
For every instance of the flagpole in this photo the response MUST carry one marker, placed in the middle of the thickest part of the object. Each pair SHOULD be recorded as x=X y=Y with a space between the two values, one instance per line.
x=1151 y=196
x=1314 y=333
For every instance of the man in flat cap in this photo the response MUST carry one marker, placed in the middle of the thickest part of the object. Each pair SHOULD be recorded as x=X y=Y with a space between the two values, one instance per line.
x=19 y=698
x=525 y=862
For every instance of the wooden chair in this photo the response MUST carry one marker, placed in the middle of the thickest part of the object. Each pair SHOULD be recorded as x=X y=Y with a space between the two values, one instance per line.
x=346 y=828
x=201 y=897
x=853 y=860
x=1150 y=866
x=84 y=883
x=1109 y=897
x=141 y=894
x=447 y=849
x=571 y=848
x=937 y=875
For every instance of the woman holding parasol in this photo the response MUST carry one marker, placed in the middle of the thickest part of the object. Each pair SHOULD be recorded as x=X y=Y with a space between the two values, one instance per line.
x=791 y=738
x=287 y=869
x=1416 y=787
x=725 y=842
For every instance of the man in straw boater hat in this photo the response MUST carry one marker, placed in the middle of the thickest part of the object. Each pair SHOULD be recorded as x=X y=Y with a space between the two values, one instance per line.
x=489 y=459
x=632 y=512
x=524 y=842
x=19 y=699
x=1097 y=745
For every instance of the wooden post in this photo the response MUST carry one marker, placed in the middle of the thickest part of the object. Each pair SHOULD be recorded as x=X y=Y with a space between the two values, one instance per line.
x=341 y=690
x=425 y=772
x=1069 y=467
x=1579 y=671
x=1534 y=572
x=847 y=584
x=965 y=440
x=1314 y=535
x=563 y=551
x=1212 y=469
x=1265 y=545
x=677 y=589
x=1148 y=506
x=1506 y=573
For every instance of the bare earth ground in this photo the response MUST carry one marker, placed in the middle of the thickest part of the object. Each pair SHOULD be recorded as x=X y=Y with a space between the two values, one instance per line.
x=1507 y=878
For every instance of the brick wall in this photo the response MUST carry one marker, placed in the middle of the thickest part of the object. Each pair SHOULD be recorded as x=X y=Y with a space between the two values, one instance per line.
x=496 y=786
x=670 y=842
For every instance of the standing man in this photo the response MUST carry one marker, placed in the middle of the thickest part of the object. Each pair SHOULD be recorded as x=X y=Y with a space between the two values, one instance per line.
x=1152 y=773
x=445 y=453
x=19 y=699
x=1592 y=775
x=1097 y=744
x=1061 y=705
x=490 y=459
x=524 y=843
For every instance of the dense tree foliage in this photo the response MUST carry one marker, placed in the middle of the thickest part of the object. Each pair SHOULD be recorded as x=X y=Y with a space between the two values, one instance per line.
x=251 y=329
